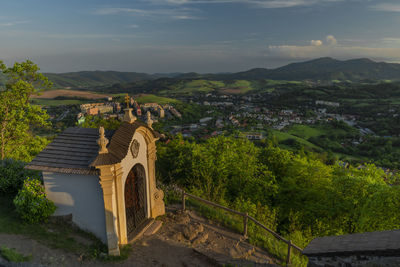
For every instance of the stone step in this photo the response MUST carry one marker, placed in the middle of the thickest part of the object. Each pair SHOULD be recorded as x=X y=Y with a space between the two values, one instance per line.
x=224 y=260
x=139 y=232
x=153 y=228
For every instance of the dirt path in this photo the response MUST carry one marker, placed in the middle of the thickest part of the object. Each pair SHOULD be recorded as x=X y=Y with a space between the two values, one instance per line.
x=185 y=239
x=41 y=255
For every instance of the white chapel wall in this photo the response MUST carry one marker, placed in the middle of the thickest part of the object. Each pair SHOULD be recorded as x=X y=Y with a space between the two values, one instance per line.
x=81 y=196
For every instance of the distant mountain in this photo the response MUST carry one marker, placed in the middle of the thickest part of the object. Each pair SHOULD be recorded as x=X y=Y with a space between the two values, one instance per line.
x=84 y=79
x=325 y=69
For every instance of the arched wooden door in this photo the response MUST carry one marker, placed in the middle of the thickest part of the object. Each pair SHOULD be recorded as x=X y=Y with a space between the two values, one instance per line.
x=135 y=199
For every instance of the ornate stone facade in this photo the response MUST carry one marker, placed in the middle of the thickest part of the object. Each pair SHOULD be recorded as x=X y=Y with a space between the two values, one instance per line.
x=140 y=149
x=115 y=190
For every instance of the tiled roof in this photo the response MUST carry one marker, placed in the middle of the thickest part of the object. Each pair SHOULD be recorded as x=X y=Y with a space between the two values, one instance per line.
x=119 y=145
x=76 y=150
x=382 y=243
x=72 y=151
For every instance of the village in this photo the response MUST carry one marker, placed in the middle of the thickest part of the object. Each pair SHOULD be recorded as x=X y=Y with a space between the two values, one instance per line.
x=113 y=109
x=222 y=114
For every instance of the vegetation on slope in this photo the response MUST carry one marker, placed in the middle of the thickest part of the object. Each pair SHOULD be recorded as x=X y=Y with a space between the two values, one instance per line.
x=304 y=197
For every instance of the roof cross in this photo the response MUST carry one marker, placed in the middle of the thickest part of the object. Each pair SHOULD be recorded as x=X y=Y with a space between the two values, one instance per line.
x=127 y=100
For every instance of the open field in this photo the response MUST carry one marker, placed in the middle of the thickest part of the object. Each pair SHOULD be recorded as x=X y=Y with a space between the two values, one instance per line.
x=51 y=94
x=55 y=102
x=282 y=136
x=206 y=86
x=238 y=87
x=149 y=98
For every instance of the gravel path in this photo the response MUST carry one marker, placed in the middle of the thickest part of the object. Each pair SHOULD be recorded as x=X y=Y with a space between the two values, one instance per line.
x=185 y=239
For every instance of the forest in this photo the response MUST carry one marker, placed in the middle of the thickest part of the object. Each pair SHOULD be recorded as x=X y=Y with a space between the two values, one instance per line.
x=296 y=194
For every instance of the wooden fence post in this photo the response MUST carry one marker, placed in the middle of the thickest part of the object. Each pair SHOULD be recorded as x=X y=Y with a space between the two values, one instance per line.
x=183 y=200
x=288 y=252
x=245 y=220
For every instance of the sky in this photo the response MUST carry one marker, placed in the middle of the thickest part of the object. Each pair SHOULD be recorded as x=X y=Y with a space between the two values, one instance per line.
x=159 y=36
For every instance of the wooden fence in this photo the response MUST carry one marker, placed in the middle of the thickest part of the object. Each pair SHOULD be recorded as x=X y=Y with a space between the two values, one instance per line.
x=246 y=218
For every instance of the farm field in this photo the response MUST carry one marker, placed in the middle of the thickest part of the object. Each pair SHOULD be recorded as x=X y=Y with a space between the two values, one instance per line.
x=55 y=102
x=195 y=86
x=237 y=87
x=51 y=94
x=149 y=98
x=306 y=131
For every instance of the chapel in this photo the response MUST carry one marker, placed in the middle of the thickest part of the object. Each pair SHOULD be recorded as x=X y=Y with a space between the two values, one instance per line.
x=105 y=180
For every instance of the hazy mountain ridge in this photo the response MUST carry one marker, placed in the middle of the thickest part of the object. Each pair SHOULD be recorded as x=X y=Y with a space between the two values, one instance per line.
x=324 y=69
x=95 y=78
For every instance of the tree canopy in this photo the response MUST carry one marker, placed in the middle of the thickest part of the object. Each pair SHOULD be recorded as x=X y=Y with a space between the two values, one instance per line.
x=18 y=117
x=301 y=193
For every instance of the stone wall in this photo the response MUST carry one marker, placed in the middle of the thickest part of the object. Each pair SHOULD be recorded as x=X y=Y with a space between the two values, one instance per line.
x=354 y=261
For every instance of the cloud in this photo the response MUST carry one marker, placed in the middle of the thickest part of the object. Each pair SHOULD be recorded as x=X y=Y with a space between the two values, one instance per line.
x=133 y=26
x=331 y=40
x=172 y=13
x=391 y=40
x=87 y=36
x=316 y=42
x=13 y=23
x=332 y=49
x=387 y=7
x=256 y=3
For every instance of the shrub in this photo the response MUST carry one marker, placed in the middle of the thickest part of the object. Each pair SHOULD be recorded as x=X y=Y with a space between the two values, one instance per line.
x=31 y=202
x=12 y=176
x=12 y=255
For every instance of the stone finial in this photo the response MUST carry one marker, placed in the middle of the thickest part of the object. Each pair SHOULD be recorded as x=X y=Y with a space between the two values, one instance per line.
x=129 y=117
x=149 y=120
x=102 y=141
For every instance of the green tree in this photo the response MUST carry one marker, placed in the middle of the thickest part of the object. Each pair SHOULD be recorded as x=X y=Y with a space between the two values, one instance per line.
x=17 y=116
x=381 y=210
x=96 y=122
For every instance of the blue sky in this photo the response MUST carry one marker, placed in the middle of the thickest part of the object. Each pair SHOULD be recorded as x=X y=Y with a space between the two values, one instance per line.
x=195 y=35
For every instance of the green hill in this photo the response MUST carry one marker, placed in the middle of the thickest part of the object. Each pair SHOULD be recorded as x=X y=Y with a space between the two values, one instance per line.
x=85 y=79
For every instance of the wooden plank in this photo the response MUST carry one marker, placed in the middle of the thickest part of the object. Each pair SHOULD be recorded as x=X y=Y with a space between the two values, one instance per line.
x=73 y=144
x=75 y=139
x=59 y=165
x=268 y=230
x=87 y=154
x=215 y=205
x=67 y=157
x=69 y=160
x=63 y=170
x=69 y=149
x=288 y=253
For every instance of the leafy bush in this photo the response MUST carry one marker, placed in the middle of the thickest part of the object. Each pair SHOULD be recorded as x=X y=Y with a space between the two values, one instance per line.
x=12 y=255
x=31 y=202
x=13 y=175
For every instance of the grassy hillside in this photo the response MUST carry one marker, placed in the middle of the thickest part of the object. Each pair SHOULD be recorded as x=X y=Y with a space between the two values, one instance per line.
x=149 y=98
x=189 y=87
x=283 y=137
x=86 y=79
